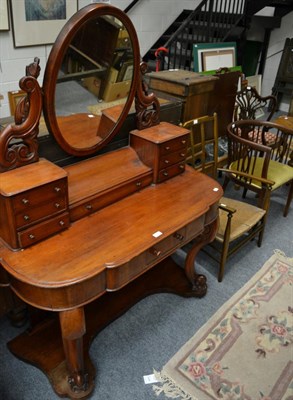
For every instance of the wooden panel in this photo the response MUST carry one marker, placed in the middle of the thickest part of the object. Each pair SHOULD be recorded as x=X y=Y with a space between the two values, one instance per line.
x=181 y=82
x=36 y=174
x=99 y=174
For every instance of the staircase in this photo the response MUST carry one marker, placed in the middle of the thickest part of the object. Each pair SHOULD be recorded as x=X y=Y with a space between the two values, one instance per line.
x=212 y=21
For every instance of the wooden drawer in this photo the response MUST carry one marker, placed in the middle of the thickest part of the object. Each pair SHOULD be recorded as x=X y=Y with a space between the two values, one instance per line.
x=43 y=230
x=95 y=203
x=212 y=214
x=118 y=277
x=34 y=214
x=194 y=228
x=173 y=145
x=51 y=192
x=170 y=172
x=172 y=158
x=159 y=250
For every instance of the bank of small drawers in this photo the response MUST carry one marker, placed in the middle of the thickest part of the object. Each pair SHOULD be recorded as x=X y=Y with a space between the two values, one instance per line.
x=36 y=213
x=36 y=204
x=172 y=157
x=163 y=148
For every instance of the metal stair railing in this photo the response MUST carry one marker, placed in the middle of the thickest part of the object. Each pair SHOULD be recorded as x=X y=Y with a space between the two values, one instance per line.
x=212 y=21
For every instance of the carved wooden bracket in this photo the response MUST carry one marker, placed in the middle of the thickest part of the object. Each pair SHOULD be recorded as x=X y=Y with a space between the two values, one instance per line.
x=18 y=141
x=147 y=105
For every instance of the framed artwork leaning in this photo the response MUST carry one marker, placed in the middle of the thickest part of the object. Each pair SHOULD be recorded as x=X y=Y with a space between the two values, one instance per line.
x=4 y=19
x=14 y=97
x=38 y=22
x=212 y=56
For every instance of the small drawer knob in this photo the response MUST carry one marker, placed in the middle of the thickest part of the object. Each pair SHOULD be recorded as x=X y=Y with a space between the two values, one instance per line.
x=57 y=189
x=26 y=217
x=178 y=236
x=155 y=251
x=166 y=161
x=31 y=236
x=183 y=141
x=138 y=184
x=57 y=205
x=181 y=166
x=25 y=201
x=182 y=154
x=61 y=223
x=89 y=207
x=167 y=147
x=165 y=173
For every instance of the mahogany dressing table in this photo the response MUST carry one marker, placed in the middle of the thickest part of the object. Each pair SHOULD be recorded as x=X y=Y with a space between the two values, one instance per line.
x=87 y=240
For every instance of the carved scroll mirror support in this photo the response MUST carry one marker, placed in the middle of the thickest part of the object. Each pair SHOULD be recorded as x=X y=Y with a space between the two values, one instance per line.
x=18 y=141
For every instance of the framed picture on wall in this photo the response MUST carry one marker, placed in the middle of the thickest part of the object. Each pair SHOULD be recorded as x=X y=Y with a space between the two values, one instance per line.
x=212 y=56
x=4 y=20
x=38 y=22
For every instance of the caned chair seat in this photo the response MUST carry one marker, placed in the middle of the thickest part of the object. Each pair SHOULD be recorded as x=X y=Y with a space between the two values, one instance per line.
x=244 y=219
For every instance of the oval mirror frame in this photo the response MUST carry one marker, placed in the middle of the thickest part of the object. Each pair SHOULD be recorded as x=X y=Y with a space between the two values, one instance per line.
x=54 y=63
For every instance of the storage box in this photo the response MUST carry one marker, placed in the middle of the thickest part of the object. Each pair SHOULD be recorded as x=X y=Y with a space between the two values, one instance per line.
x=193 y=88
x=114 y=91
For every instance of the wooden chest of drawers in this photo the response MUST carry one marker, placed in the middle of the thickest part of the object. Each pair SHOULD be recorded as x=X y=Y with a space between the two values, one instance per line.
x=33 y=203
x=163 y=148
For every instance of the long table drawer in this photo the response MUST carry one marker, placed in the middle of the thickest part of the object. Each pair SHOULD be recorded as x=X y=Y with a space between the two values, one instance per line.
x=117 y=277
x=89 y=206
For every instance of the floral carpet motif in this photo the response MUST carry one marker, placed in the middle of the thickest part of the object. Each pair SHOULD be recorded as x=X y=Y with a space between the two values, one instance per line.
x=245 y=351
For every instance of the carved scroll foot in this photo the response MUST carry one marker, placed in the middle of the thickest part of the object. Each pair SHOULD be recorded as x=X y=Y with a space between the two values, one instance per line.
x=199 y=282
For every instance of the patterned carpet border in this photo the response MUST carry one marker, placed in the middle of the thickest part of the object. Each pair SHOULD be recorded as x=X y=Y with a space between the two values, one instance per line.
x=244 y=352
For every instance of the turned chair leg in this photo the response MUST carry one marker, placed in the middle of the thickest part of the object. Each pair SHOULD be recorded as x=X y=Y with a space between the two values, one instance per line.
x=289 y=199
x=223 y=260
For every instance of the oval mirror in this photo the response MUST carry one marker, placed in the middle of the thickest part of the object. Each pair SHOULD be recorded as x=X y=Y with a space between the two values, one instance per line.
x=90 y=78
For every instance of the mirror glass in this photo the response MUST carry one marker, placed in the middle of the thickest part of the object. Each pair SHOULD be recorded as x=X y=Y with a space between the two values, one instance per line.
x=94 y=70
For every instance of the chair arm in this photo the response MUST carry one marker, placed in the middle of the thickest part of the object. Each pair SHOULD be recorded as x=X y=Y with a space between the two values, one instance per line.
x=267 y=182
x=229 y=210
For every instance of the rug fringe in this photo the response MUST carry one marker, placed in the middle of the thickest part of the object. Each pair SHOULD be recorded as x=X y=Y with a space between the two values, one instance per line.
x=282 y=254
x=170 y=388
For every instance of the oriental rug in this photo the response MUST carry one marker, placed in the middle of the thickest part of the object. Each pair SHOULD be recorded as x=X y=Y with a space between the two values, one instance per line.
x=245 y=351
